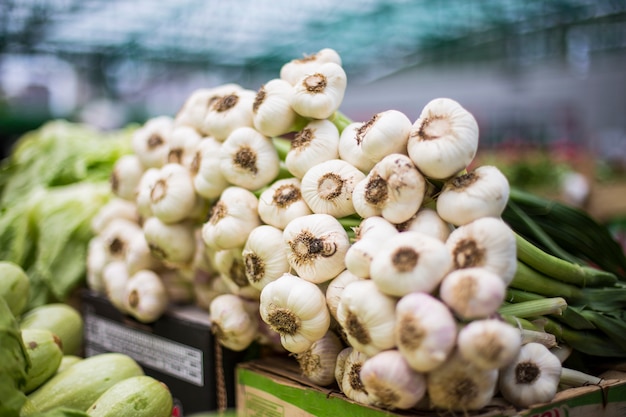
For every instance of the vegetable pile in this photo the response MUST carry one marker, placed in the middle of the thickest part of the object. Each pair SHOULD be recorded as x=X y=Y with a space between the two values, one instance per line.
x=372 y=251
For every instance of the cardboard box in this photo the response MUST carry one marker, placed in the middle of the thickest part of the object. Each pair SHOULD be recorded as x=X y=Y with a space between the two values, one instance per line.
x=178 y=349
x=273 y=387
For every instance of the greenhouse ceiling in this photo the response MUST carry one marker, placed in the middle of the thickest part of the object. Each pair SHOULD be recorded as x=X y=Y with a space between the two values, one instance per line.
x=247 y=33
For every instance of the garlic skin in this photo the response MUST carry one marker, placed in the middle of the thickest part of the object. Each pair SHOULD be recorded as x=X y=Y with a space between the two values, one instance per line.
x=390 y=382
x=483 y=192
x=295 y=69
x=183 y=143
x=208 y=180
x=486 y=242
x=95 y=263
x=351 y=384
x=296 y=309
x=115 y=278
x=248 y=159
x=143 y=200
x=532 y=378
x=393 y=189
x=457 y=385
x=272 y=112
x=350 y=149
x=264 y=256
x=146 y=297
x=115 y=208
x=341 y=363
x=444 y=139
x=232 y=219
x=197 y=104
x=174 y=244
x=150 y=142
x=335 y=288
x=319 y=94
x=316 y=246
x=282 y=202
x=428 y=222
x=410 y=261
x=370 y=237
x=489 y=343
x=328 y=187
x=230 y=110
x=234 y=321
x=425 y=331
x=173 y=197
x=367 y=316
x=315 y=143
x=472 y=293
x=125 y=177
x=385 y=133
x=318 y=363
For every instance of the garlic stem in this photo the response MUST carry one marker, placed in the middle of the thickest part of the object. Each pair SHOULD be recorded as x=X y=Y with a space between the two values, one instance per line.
x=575 y=378
x=533 y=308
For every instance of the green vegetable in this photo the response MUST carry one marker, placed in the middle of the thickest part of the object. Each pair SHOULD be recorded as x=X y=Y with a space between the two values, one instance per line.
x=61 y=319
x=139 y=396
x=14 y=286
x=44 y=351
x=14 y=363
x=51 y=185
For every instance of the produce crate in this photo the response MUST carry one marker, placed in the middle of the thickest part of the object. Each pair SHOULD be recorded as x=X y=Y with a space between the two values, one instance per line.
x=178 y=349
x=274 y=387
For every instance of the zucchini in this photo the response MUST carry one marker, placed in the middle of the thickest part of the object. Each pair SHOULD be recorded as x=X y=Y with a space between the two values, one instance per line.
x=140 y=396
x=61 y=319
x=45 y=354
x=67 y=361
x=14 y=287
x=81 y=384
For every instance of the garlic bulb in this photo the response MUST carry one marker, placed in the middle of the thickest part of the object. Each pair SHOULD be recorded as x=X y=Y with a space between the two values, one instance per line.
x=264 y=256
x=139 y=256
x=183 y=143
x=230 y=110
x=125 y=176
x=486 y=242
x=296 y=309
x=208 y=180
x=393 y=189
x=390 y=382
x=318 y=362
x=272 y=112
x=116 y=237
x=367 y=316
x=532 y=378
x=295 y=69
x=340 y=364
x=428 y=222
x=385 y=133
x=351 y=384
x=410 y=261
x=231 y=266
x=146 y=296
x=457 y=385
x=172 y=243
x=328 y=186
x=95 y=263
x=483 y=192
x=115 y=208
x=316 y=142
x=232 y=218
x=319 y=94
x=179 y=288
x=197 y=104
x=316 y=246
x=143 y=199
x=282 y=202
x=371 y=236
x=115 y=277
x=472 y=293
x=150 y=142
x=248 y=159
x=172 y=197
x=489 y=343
x=444 y=139
x=350 y=149
x=425 y=331
x=335 y=289
x=234 y=321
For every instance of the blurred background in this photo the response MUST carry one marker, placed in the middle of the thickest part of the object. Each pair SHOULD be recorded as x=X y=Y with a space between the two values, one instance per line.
x=537 y=74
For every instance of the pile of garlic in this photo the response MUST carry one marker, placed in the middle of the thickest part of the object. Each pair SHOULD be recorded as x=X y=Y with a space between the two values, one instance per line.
x=244 y=203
